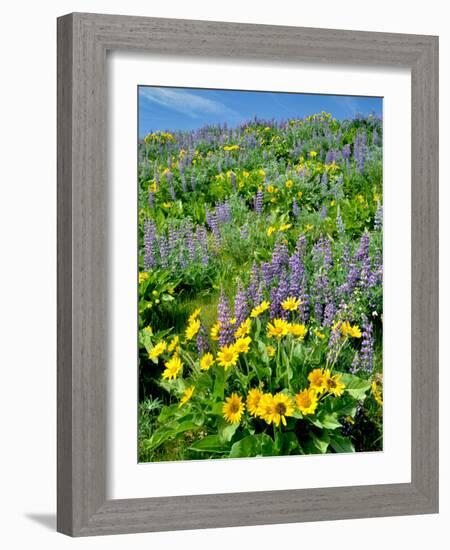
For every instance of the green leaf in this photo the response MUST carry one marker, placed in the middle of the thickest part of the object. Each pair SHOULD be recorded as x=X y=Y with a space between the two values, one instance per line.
x=253 y=445
x=210 y=444
x=226 y=430
x=341 y=444
x=321 y=441
x=354 y=386
x=326 y=420
x=219 y=383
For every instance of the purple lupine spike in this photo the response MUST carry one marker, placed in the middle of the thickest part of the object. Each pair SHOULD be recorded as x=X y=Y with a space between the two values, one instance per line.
x=331 y=157
x=295 y=208
x=323 y=213
x=367 y=344
x=151 y=198
x=378 y=221
x=258 y=201
x=253 y=284
x=329 y=313
x=363 y=249
x=283 y=292
x=202 y=341
x=280 y=257
x=212 y=221
x=266 y=272
x=346 y=151
x=169 y=179
x=163 y=250
x=275 y=305
x=240 y=304
x=190 y=246
x=224 y=316
x=150 y=244
x=202 y=240
x=334 y=343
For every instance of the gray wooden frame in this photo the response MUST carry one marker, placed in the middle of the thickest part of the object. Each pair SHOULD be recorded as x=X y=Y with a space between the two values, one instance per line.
x=83 y=40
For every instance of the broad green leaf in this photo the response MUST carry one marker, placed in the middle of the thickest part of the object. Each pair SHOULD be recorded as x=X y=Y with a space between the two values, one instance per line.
x=253 y=445
x=210 y=444
x=354 y=386
x=341 y=444
x=321 y=441
x=226 y=430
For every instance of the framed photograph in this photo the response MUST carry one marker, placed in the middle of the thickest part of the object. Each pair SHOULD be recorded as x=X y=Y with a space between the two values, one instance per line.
x=247 y=274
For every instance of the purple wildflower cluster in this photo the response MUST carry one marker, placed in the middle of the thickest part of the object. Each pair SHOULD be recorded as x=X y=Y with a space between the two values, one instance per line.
x=179 y=248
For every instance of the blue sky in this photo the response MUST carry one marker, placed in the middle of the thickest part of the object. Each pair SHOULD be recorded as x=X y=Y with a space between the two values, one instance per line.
x=187 y=108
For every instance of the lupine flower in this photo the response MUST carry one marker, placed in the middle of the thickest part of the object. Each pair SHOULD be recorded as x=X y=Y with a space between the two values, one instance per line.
x=240 y=305
x=258 y=201
x=378 y=221
x=224 y=318
x=149 y=244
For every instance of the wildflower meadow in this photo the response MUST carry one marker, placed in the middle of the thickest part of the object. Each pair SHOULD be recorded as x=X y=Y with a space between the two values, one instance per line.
x=260 y=288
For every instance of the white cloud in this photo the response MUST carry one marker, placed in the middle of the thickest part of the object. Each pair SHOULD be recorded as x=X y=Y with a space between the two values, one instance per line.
x=185 y=102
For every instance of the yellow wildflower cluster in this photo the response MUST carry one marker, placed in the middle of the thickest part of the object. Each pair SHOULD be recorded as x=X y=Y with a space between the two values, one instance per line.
x=159 y=137
x=280 y=327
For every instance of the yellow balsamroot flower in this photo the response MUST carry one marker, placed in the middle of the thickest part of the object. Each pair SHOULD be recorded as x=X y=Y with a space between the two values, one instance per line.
x=360 y=198
x=261 y=173
x=306 y=401
x=173 y=344
x=298 y=330
x=245 y=174
x=308 y=227
x=244 y=329
x=167 y=204
x=271 y=229
x=253 y=399
x=148 y=329
x=313 y=154
x=376 y=197
x=263 y=306
x=186 y=396
x=143 y=276
x=348 y=330
x=215 y=329
x=281 y=407
x=333 y=384
x=285 y=226
x=290 y=304
x=289 y=183
x=157 y=350
x=242 y=345
x=270 y=189
x=270 y=351
x=278 y=328
x=231 y=147
x=173 y=368
x=153 y=187
x=227 y=357
x=206 y=361
x=317 y=380
x=319 y=334
x=233 y=409
x=264 y=409
x=192 y=329
x=376 y=392
x=194 y=315
x=299 y=194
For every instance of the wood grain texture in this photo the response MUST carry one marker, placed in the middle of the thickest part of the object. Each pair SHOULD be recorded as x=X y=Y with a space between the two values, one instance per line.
x=83 y=40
